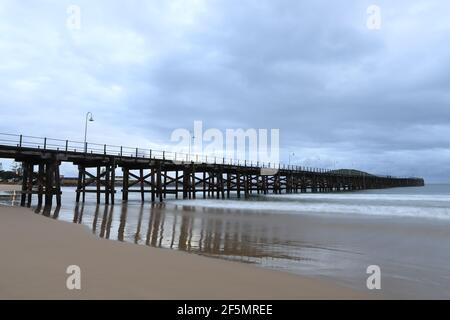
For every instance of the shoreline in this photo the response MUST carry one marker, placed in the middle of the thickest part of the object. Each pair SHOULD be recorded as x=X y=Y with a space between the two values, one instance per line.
x=37 y=250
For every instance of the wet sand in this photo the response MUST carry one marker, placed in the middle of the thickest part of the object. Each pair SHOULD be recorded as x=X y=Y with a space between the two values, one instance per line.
x=10 y=187
x=36 y=251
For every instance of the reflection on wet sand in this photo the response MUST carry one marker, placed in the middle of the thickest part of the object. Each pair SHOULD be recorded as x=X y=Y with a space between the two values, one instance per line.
x=10 y=197
x=220 y=233
x=185 y=228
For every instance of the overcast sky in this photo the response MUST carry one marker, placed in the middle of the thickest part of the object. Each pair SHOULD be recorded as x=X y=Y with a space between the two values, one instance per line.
x=377 y=100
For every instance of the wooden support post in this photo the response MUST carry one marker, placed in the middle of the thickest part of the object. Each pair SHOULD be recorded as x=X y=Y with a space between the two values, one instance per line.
x=125 y=183
x=275 y=184
x=57 y=184
x=97 y=184
x=264 y=184
x=228 y=184
x=79 y=183
x=290 y=184
x=23 y=196
x=159 y=183
x=238 y=184
x=176 y=183
x=204 y=184
x=49 y=176
x=258 y=183
x=246 y=185
x=188 y=181
x=40 y=181
x=30 y=184
x=165 y=184
x=209 y=183
x=252 y=184
x=107 y=183
x=153 y=183
x=193 y=180
x=185 y=182
x=141 y=183
x=278 y=178
x=218 y=182
x=113 y=180
x=222 y=184
x=84 y=183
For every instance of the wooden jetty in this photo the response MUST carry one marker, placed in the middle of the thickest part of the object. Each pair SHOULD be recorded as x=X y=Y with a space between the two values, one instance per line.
x=159 y=173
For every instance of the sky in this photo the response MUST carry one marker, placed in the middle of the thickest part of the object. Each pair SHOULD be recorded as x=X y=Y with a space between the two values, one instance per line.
x=343 y=94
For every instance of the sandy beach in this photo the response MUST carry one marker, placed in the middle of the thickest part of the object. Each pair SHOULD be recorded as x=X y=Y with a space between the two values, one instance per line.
x=37 y=250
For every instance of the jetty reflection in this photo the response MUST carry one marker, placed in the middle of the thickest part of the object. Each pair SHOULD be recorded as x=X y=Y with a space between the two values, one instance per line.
x=186 y=228
x=232 y=234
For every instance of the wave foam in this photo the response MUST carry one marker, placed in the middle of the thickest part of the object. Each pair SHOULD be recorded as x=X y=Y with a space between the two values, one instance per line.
x=322 y=208
x=362 y=196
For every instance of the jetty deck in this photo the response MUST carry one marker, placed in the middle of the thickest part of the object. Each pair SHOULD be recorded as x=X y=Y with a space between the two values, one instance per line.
x=155 y=174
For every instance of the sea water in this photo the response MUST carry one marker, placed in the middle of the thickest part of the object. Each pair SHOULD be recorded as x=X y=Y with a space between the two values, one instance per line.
x=404 y=231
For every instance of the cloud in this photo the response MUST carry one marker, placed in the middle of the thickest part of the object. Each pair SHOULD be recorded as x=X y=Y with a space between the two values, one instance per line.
x=336 y=90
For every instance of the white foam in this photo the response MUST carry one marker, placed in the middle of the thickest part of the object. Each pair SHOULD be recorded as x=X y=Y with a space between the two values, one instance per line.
x=321 y=208
x=362 y=196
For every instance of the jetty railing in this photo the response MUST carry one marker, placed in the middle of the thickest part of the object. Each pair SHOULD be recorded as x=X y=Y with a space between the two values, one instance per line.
x=45 y=143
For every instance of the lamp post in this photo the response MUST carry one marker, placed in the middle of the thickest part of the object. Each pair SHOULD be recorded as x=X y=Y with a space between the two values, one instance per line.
x=291 y=154
x=191 y=142
x=89 y=118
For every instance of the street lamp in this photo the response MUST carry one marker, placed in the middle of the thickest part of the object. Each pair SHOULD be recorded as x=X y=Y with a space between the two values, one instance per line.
x=191 y=142
x=291 y=154
x=89 y=118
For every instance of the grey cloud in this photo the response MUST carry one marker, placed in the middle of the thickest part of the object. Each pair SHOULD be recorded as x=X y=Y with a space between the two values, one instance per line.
x=377 y=100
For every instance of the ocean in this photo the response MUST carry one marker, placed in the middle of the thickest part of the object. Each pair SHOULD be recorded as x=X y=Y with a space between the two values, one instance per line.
x=404 y=231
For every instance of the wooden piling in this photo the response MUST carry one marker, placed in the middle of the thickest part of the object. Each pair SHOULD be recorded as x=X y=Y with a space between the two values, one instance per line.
x=40 y=181
x=176 y=184
x=107 y=183
x=30 y=183
x=152 y=172
x=125 y=183
x=193 y=181
x=238 y=184
x=57 y=184
x=97 y=183
x=49 y=176
x=228 y=184
x=113 y=180
x=165 y=184
x=159 y=183
x=79 y=182
x=204 y=184
x=141 y=183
